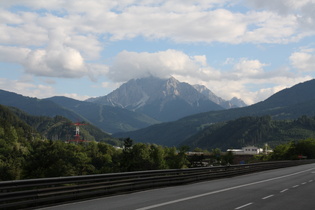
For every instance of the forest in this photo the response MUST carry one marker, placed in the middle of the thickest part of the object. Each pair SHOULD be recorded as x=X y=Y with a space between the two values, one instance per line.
x=35 y=147
x=252 y=130
x=25 y=153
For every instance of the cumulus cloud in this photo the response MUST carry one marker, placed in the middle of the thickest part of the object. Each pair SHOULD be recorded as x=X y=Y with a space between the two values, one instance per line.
x=163 y=64
x=57 y=61
x=303 y=60
x=188 y=21
x=248 y=68
x=62 y=62
x=128 y=65
x=21 y=29
x=13 y=54
x=303 y=10
x=65 y=39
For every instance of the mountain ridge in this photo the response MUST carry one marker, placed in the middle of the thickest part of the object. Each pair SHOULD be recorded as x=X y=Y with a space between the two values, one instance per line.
x=106 y=118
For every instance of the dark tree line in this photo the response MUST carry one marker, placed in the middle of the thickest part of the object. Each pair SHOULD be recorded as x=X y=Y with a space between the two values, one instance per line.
x=45 y=158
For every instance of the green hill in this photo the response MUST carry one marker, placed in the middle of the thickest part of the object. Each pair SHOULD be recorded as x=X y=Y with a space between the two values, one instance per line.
x=252 y=131
x=61 y=128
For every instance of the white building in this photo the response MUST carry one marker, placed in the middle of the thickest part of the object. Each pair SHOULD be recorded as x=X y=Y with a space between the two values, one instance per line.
x=249 y=150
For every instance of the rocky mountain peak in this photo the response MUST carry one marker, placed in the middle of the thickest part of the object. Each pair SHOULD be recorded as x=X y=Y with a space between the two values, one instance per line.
x=233 y=103
x=237 y=102
x=156 y=97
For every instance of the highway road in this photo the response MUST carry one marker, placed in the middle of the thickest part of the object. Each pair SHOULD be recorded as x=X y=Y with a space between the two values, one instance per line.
x=287 y=188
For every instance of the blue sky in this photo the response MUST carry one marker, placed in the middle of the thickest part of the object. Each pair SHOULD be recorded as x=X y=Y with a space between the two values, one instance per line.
x=247 y=49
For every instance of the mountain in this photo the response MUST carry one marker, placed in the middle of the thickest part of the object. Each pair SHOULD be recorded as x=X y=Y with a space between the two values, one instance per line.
x=161 y=99
x=257 y=131
x=108 y=118
x=37 y=107
x=236 y=102
x=289 y=103
x=233 y=103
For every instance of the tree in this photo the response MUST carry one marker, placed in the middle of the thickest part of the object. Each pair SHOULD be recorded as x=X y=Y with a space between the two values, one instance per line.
x=126 y=159
x=177 y=159
x=216 y=154
x=227 y=158
x=157 y=156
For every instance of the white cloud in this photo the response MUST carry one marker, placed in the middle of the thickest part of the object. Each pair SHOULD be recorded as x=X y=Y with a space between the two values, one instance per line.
x=61 y=62
x=268 y=27
x=201 y=59
x=76 y=96
x=128 y=65
x=22 y=29
x=26 y=88
x=55 y=61
x=13 y=54
x=303 y=10
x=303 y=60
x=65 y=39
x=248 y=69
x=189 y=21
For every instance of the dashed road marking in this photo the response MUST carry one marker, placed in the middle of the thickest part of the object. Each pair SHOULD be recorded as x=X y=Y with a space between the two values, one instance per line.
x=296 y=186
x=269 y=196
x=282 y=191
x=221 y=190
x=240 y=207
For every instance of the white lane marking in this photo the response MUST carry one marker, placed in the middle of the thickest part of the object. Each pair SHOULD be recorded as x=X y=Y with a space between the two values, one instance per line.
x=219 y=191
x=269 y=196
x=284 y=190
x=295 y=186
x=310 y=180
x=303 y=183
x=240 y=207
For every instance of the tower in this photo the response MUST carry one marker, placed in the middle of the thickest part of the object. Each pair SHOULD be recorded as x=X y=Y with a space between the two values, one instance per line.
x=77 y=137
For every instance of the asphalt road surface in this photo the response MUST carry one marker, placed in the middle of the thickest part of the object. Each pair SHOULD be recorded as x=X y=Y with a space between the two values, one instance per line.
x=287 y=189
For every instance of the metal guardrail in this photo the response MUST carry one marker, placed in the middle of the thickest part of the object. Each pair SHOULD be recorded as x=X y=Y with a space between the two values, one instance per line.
x=21 y=194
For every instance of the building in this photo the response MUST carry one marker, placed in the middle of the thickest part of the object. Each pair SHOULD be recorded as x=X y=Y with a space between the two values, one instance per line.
x=249 y=150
